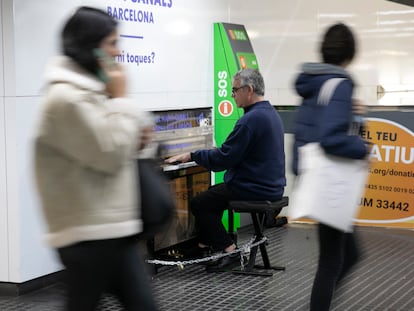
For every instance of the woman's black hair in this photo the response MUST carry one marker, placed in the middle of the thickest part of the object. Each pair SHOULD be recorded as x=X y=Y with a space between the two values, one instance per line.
x=83 y=32
x=338 y=45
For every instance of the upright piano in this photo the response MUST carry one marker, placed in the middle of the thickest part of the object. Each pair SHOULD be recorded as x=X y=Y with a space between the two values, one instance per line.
x=177 y=132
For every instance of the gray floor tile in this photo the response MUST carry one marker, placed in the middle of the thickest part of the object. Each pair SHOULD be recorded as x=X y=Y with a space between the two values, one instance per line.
x=383 y=280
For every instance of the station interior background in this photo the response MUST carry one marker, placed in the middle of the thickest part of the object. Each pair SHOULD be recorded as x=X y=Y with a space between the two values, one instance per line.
x=179 y=41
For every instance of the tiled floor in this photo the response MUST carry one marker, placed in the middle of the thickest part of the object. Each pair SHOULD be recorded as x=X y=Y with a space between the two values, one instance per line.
x=383 y=280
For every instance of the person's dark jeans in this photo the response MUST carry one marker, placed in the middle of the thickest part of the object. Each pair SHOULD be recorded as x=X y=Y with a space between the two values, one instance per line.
x=337 y=254
x=208 y=208
x=114 y=266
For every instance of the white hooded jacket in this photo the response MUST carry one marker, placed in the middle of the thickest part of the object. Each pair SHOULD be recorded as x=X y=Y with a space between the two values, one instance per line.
x=84 y=158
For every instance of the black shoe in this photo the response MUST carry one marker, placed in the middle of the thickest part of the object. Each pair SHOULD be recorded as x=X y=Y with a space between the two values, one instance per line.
x=199 y=252
x=225 y=263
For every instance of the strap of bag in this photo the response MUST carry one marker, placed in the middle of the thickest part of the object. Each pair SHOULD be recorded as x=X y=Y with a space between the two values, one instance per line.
x=325 y=95
x=327 y=90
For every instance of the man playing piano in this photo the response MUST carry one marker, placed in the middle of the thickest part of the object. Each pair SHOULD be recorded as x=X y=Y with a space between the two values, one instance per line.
x=254 y=159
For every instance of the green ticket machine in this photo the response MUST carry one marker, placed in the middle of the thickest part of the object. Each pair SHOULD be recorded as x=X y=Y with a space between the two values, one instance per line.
x=232 y=52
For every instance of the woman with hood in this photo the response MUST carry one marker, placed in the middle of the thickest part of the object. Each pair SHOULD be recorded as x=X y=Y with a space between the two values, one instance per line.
x=330 y=125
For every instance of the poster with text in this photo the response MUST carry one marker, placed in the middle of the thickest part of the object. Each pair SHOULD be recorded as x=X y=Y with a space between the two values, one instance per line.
x=389 y=194
x=165 y=47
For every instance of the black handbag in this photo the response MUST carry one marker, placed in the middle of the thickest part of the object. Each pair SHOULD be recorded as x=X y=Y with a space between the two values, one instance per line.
x=157 y=203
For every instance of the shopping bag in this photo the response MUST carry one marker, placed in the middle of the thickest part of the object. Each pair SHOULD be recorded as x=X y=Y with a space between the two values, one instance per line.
x=328 y=188
x=157 y=202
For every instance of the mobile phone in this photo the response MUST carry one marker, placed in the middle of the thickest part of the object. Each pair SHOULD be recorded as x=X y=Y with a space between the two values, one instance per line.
x=108 y=62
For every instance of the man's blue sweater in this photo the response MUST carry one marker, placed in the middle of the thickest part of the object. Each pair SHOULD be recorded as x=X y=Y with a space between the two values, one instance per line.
x=253 y=155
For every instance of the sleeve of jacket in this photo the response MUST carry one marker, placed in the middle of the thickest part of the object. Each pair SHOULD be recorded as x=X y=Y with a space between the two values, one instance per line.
x=335 y=124
x=102 y=137
x=230 y=154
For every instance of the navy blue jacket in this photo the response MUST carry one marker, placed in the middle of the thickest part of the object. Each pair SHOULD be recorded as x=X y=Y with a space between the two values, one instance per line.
x=253 y=155
x=328 y=125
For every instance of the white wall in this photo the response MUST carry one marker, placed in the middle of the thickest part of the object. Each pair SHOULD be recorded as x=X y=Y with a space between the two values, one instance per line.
x=180 y=44
x=4 y=263
x=285 y=34
x=4 y=259
x=3 y=209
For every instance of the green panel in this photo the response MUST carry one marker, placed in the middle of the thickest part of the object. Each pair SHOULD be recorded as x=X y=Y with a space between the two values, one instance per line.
x=247 y=60
x=232 y=51
x=236 y=221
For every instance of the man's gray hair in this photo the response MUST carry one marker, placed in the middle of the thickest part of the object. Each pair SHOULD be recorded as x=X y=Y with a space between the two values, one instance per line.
x=251 y=77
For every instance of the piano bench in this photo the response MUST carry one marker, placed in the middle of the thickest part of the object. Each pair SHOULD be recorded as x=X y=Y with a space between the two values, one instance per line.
x=263 y=215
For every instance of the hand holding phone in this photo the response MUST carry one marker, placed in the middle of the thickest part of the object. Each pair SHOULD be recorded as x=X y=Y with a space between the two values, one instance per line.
x=111 y=74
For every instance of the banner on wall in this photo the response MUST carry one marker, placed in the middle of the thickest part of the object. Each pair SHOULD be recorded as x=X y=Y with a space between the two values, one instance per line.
x=389 y=192
x=232 y=52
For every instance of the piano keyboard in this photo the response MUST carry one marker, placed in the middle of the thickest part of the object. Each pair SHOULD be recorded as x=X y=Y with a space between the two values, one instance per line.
x=168 y=168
